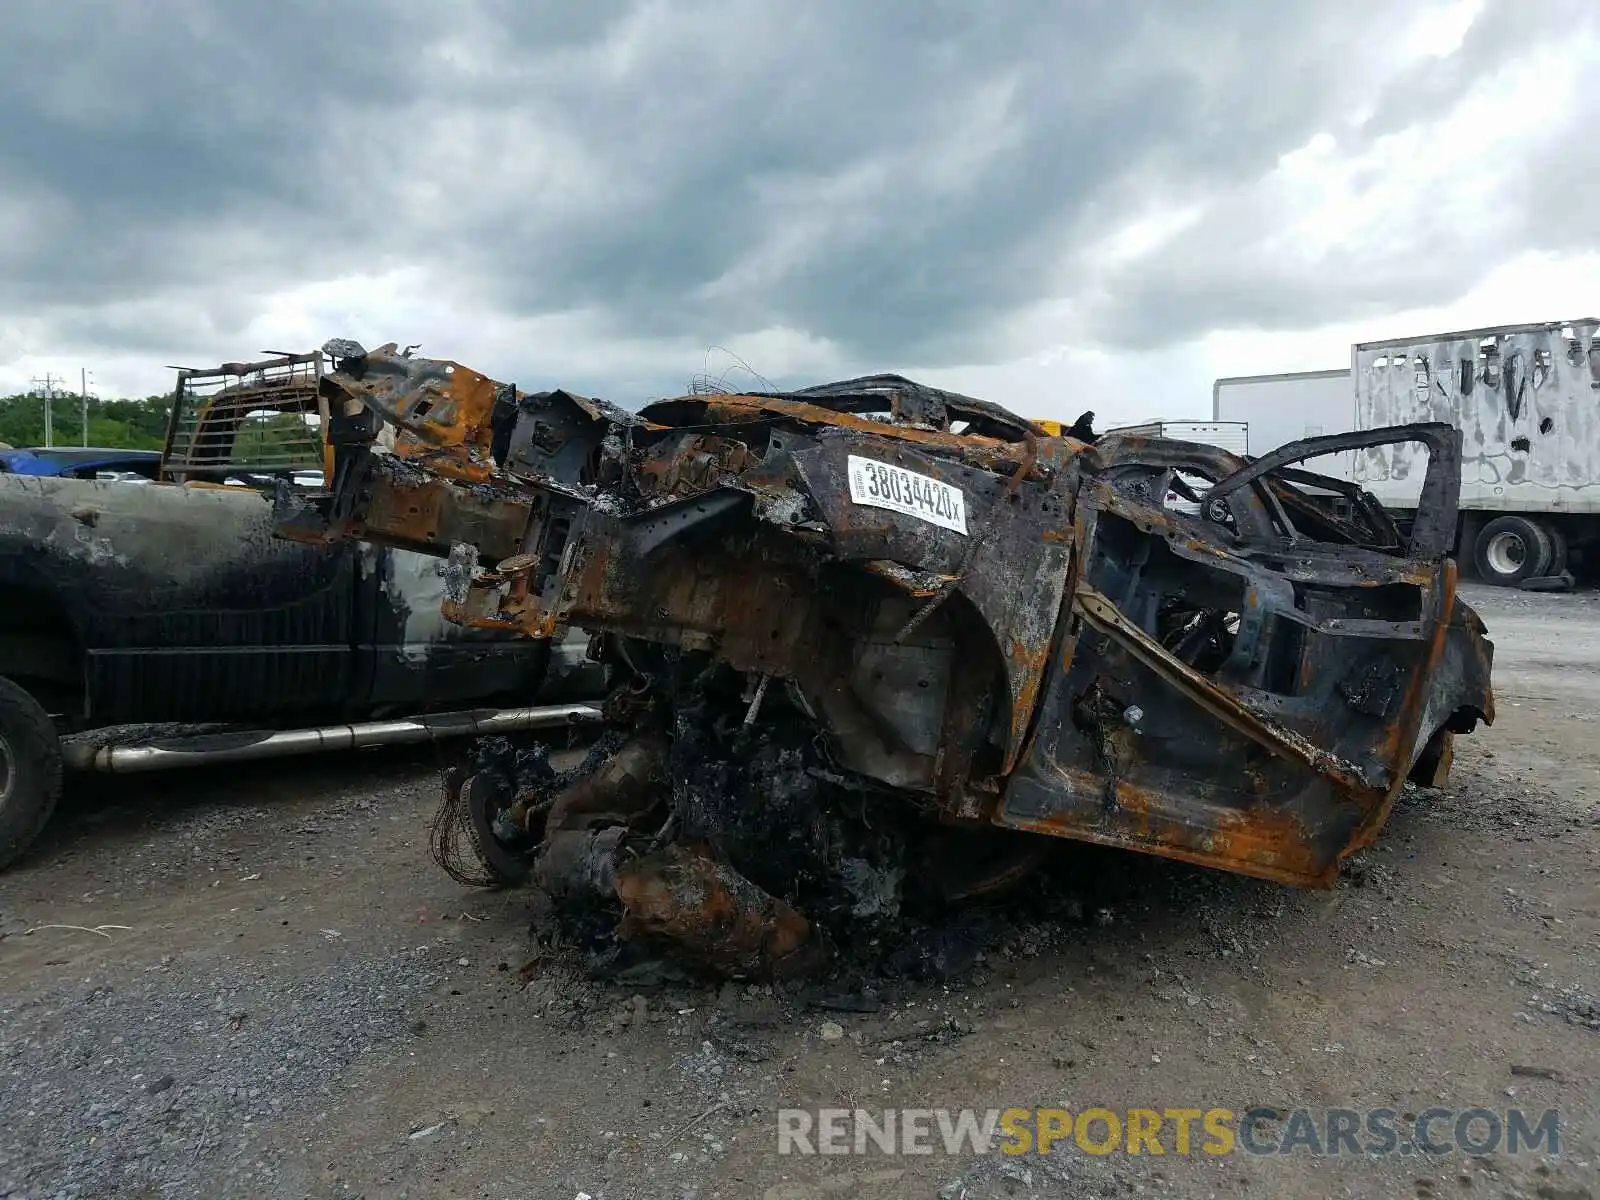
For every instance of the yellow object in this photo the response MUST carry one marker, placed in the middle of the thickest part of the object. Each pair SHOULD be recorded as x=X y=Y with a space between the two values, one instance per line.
x=1053 y=428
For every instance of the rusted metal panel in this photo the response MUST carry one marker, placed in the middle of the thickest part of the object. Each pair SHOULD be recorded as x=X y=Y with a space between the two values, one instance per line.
x=708 y=910
x=909 y=610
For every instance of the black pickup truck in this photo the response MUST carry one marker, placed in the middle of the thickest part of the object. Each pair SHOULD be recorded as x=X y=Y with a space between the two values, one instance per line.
x=168 y=604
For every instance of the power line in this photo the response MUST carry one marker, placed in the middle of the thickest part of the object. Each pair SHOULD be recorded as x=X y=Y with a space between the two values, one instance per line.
x=83 y=399
x=48 y=384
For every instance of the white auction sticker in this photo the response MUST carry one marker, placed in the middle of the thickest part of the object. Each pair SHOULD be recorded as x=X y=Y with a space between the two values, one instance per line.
x=883 y=485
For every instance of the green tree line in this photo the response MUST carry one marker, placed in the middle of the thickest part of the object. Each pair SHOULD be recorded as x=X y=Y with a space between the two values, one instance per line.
x=115 y=424
x=281 y=440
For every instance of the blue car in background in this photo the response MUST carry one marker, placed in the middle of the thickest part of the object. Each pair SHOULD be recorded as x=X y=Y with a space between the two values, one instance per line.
x=85 y=462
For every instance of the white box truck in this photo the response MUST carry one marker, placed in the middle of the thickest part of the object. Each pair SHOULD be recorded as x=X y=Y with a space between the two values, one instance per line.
x=1232 y=436
x=1527 y=401
x=1285 y=408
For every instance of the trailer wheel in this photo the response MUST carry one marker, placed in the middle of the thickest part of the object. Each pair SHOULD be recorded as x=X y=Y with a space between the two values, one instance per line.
x=30 y=770
x=1510 y=549
x=1558 y=547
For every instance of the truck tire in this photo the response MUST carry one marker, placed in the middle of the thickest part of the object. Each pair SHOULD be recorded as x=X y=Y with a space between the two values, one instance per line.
x=1510 y=549
x=1558 y=547
x=30 y=770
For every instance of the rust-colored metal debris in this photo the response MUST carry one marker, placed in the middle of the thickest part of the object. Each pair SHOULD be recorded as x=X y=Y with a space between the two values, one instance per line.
x=856 y=622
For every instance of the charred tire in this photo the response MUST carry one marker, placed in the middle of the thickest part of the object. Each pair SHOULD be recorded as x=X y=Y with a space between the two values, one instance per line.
x=509 y=867
x=30 y=770
x=1511 y=549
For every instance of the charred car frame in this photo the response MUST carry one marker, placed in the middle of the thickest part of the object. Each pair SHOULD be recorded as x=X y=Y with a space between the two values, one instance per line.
x=871 y=627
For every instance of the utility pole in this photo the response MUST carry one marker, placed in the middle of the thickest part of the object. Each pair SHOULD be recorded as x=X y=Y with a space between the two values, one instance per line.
x=48 y=383
x=83 y=397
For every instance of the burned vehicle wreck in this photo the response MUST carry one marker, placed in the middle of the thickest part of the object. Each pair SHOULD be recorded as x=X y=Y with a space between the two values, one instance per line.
x=875 y=638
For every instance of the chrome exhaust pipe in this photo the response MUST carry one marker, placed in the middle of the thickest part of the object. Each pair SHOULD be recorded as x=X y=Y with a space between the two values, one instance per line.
x=159 y=754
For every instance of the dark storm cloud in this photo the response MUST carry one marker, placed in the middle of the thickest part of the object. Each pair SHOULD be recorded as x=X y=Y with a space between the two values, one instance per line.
x=899 y=178
x=139 y=125
x=148 y=128
x=826 y=134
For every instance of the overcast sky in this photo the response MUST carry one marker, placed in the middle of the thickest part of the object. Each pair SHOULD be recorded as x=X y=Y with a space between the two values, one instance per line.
x=1055 y=204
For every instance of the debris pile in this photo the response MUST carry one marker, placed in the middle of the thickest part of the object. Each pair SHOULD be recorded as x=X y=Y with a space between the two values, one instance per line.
x=872 y=638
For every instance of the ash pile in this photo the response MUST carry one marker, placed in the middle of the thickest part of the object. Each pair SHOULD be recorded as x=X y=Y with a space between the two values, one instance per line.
x=716 y=834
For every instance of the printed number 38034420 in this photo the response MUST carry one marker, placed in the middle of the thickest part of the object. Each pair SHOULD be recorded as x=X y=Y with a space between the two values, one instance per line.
x=884 y=485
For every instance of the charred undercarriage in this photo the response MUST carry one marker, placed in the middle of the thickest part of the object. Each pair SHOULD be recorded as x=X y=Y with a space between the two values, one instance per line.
x=871 y=636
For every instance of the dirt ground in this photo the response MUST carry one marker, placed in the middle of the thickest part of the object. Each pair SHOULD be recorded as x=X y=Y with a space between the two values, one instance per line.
x=253 y=982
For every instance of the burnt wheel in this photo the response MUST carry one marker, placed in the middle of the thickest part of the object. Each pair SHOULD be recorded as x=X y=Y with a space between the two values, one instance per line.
x=486 y=797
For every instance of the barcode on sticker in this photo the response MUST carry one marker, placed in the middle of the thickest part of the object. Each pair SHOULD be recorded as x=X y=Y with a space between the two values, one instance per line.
x=884 y=485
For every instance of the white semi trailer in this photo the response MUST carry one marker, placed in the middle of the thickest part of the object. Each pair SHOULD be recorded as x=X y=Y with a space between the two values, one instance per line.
x=1527 y=401
x=1232 y=436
